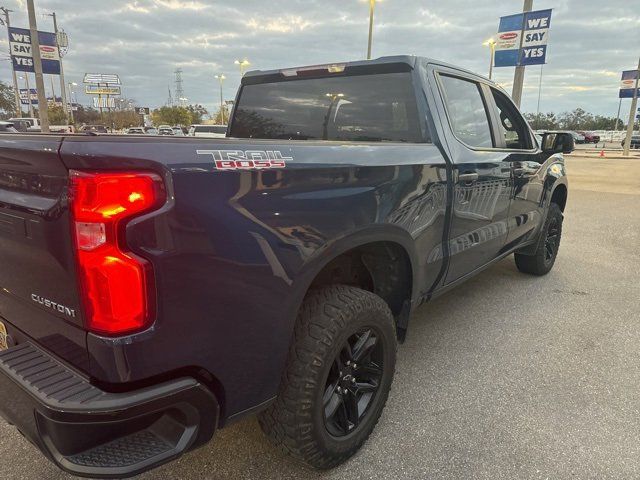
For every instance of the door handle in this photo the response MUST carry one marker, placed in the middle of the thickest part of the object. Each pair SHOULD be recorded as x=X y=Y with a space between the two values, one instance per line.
x=468 y=178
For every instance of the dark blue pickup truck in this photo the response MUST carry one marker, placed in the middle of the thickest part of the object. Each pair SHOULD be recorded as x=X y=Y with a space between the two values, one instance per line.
x=153 y=290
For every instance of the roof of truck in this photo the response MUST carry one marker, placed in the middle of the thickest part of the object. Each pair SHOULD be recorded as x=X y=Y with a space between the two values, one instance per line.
x=254 y=76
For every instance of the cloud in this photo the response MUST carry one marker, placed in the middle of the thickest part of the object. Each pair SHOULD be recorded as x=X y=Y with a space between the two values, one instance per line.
x=145 y=41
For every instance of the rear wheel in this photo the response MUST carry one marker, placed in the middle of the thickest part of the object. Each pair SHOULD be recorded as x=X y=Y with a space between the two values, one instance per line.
x=542 y=261
x=338 y=377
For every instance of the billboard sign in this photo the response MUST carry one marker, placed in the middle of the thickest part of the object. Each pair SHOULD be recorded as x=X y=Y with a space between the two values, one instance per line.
x=143 y=110
x=24 y=97
x=22 y=56
x=627 y=83
x=104 y=102
x=95 y=89
x=522 y=39
x=101 y=78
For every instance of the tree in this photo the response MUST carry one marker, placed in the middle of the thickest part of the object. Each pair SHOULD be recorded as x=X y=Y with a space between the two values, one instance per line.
x=57 y=115
x=218 y=117
x=7 y=100
x=542 y=121
x=86 y=116
x=197 y=112
x=171 y=116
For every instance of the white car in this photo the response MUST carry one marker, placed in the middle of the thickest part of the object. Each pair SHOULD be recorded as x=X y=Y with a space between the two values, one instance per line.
x=210 y=131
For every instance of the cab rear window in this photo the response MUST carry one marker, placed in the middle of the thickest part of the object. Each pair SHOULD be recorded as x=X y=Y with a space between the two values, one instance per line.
x=367 y=108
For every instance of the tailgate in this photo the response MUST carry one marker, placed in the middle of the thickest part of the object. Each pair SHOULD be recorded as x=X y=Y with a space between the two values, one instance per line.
x=38 y=290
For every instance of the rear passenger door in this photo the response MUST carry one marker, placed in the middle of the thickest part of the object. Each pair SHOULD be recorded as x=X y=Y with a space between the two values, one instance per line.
x=482 y=175
x=525 y=159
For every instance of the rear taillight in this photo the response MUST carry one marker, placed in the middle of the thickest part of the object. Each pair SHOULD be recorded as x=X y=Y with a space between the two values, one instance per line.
x=116 y=285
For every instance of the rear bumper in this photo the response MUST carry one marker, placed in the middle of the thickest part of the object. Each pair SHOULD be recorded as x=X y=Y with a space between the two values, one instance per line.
x=89 y=432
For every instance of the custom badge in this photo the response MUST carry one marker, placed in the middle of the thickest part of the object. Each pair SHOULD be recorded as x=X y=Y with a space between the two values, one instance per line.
x=246 y=159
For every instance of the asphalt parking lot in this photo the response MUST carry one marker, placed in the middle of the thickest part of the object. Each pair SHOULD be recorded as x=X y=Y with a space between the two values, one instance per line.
x=509 y=376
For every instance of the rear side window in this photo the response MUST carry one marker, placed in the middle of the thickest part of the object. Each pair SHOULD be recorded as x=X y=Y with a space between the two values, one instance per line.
x=467 y=112
x=512 y=125
x=367 y=108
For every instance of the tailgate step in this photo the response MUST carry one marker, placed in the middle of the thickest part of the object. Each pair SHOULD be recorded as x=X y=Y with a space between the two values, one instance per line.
x=123 y=452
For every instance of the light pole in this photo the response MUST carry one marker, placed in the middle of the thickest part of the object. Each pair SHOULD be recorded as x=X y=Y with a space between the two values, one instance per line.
x=632 y=114
x=71 y=85
x=243 y=64
x=372 y=6
x=60 y=36
x=491 y=43
x=7 y=22
x=221 y=79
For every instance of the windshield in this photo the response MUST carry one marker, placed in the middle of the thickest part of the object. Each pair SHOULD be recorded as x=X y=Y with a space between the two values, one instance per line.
x=370 y=108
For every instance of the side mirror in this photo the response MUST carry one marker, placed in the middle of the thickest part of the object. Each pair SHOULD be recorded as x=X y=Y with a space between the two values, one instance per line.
x=558 y=142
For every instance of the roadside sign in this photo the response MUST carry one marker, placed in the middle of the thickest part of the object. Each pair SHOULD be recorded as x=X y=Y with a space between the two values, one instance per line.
x=24 y=97
x=104 y=102
x=94 y=89
x=143 y=110
x=522 y=39
x=22 y=56
x=627 y=83
x=101 y=78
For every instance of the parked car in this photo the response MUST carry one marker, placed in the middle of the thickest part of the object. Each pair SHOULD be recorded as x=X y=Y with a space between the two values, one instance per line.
x=578 y=137
x=165 y=288
x=178 y=132
x=136 y=131
x=32 y=121
x=21 y=124
x=7 y=127
x=94 y=129
x=635 y=141
x=590 y=137
x=166 y=131
x=210 y=131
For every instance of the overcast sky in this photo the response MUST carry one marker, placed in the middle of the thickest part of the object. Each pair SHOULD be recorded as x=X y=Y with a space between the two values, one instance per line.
x=144 y=41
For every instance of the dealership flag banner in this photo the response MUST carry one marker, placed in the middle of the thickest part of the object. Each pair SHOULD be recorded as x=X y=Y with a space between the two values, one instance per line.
x=22 y=57
x=522 y=39
x=24 y=96
x=627 y=83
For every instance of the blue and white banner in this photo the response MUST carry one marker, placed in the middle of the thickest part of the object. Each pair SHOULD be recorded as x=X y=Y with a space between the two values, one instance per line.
x=22 y=57
x=24 y=96
x=627 y=83
x=522 y=39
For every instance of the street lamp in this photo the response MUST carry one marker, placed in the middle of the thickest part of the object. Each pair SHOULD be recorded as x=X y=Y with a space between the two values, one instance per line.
x=491 y=43
x=243 y=64
x=221 y=79
x=71 y=85
x=372 y=6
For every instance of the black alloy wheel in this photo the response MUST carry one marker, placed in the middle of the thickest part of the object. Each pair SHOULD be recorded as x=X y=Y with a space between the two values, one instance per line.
x=353 y=382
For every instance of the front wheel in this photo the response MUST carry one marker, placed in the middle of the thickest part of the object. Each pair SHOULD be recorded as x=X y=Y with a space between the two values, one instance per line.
x=337 y=380
x=542 y=261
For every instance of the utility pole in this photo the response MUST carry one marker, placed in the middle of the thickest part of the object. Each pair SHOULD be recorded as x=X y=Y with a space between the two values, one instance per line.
x=221 y=79
x=16 y=89
x=63 y=95
x=632 y=114
x=37 y=66
x=372 y=5
x=518 y=78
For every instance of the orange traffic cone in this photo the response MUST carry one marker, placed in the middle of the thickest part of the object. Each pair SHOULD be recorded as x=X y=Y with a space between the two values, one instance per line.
x=602 y=153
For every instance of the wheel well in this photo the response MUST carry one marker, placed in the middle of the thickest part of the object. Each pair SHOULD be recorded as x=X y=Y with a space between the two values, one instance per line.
x=559 y=196
x=383 y=268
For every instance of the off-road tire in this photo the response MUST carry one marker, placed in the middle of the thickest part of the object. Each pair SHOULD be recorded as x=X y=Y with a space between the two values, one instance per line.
x=295 y=422
x=540 y=263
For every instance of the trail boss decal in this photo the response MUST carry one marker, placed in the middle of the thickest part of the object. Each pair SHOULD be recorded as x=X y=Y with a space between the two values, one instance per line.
x=246 y=159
